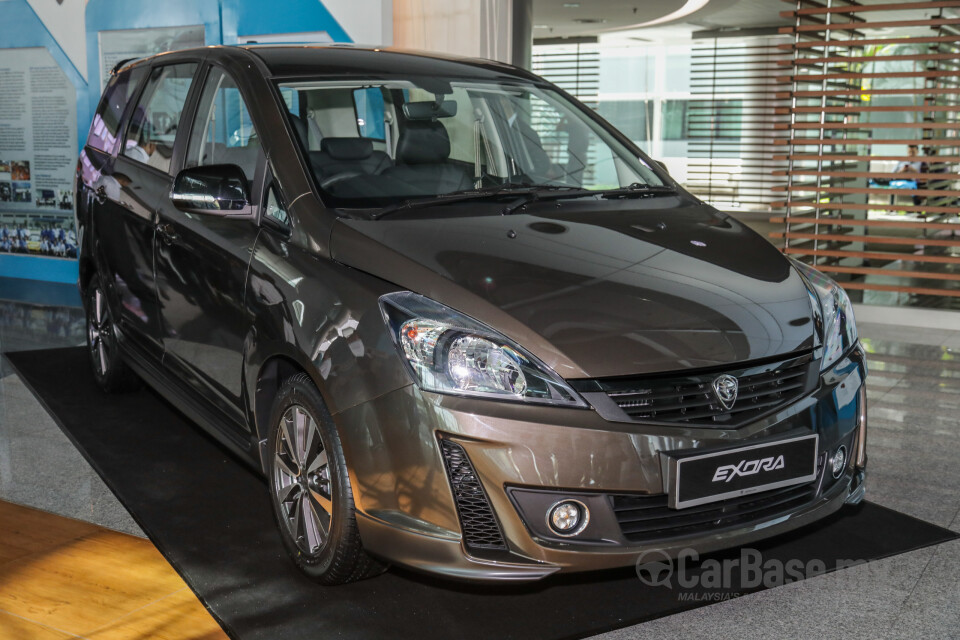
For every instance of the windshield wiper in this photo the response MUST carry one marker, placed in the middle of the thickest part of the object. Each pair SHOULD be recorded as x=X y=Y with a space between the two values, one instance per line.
x=548 y=192
x=637 y=190
x=562 y=193
x=455 y=196
x=527 y=194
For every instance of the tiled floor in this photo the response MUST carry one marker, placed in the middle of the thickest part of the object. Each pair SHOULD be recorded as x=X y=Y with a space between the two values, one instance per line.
x=914 y=451
x=30 y=440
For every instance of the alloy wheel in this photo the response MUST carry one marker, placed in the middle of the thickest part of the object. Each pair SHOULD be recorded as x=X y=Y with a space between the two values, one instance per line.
x=301 y=480
x=99 y=329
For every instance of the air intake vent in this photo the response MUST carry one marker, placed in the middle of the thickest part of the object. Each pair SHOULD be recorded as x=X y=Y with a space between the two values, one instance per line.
x=479 y=525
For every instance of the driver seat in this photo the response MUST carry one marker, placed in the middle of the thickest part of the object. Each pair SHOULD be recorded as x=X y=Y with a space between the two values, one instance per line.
x=424 y=150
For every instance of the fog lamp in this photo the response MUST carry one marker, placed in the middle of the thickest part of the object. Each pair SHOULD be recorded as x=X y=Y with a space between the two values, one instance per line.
x=568 y=518
x=838 y=462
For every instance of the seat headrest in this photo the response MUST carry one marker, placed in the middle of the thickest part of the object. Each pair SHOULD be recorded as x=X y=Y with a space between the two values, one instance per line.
x=423 y=142
x=301 y=128
x=347 y=148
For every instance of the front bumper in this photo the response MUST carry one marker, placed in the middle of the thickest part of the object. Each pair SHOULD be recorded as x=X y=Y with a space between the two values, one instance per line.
x=407 y=512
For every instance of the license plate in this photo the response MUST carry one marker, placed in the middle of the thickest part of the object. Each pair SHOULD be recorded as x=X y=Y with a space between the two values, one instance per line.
x=720 y=475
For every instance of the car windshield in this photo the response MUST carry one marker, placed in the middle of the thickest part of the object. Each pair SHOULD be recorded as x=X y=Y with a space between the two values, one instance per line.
x=377 y=143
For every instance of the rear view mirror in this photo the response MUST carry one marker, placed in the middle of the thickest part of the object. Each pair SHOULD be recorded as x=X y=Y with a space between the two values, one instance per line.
x=663 y=165
x=429 y=110
x=216 y=189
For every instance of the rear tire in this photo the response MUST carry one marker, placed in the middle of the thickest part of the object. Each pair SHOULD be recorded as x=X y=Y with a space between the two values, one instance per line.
x=310 y=488
x=111 y=373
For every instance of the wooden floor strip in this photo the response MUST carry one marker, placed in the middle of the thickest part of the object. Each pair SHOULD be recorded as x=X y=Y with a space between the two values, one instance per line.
x=62 y=578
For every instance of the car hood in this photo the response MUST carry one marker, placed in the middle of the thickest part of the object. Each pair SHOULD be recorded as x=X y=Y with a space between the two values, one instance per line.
x=597 y=288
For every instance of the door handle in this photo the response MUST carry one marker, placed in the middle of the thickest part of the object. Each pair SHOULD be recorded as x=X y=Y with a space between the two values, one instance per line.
x=100 y=194
x=167 y=233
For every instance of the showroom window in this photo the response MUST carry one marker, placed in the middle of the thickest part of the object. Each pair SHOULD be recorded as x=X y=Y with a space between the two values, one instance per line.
x=633 y=117
x=223 y=132
x=153 y=128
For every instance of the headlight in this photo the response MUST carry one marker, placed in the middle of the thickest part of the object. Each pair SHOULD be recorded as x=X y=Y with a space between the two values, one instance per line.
x=836 y=315
x=448 y=352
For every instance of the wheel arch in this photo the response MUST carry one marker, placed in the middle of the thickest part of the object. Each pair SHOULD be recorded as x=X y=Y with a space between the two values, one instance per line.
x=271 y=374
x=270 y=377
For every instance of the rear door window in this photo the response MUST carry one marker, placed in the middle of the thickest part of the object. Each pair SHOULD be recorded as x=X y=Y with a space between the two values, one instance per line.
x=105 y=129
x=156 y=118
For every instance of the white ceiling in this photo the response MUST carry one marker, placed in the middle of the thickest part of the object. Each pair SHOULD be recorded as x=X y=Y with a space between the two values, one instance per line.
x=553 y=19
x=563 y=18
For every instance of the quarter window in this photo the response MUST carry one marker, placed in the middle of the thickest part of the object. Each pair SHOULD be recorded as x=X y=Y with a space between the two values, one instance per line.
x=275 y=208
x=155 y=121
x=105 y=130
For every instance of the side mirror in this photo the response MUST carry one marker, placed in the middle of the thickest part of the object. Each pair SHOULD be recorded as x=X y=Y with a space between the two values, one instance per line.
x=216 y=189
x=663 y=165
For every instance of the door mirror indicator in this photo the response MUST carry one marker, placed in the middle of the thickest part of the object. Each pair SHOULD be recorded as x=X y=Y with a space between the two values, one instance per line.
x=217 y=189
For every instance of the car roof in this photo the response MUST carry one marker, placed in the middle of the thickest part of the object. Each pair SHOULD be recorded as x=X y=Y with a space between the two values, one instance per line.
x=310 y=60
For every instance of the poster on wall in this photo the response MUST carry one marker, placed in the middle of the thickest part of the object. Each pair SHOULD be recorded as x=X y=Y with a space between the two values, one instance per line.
x=38 y=154
x=124 y=44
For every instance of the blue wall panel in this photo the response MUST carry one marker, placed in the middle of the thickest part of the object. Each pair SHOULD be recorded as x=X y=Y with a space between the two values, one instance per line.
x=20 y=27
x=293 y=16
x=38 y=268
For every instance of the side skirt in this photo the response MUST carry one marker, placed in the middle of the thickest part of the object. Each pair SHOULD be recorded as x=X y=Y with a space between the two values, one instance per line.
x=216 y=426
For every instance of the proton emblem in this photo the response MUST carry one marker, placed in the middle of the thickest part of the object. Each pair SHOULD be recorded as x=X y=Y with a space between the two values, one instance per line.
x=725 y=388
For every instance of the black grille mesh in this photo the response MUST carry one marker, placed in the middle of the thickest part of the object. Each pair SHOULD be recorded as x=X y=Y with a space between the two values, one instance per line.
x=479 y=525
x=690 y=399
x=644 y=518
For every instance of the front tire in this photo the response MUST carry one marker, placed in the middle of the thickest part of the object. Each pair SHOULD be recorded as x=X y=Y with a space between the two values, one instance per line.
x=109 y=370
x=310 y=488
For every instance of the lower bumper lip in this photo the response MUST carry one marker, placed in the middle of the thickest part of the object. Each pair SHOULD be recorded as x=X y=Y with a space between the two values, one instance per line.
x=445 y=557
x=398 y=475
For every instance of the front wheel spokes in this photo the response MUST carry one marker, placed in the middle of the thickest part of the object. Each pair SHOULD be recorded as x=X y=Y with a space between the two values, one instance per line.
x=318 y=472
x=288 y=438
x=317 y=503
x=286 y=494
x=315 y=522
x=305 y=428
x=302 y=479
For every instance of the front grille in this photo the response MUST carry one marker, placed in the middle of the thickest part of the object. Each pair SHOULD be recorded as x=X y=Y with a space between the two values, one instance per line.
x=645 y=518
x=690 y=399
x=479 y=525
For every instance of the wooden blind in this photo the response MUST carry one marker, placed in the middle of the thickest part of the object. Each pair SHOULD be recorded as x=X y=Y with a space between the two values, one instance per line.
x=733 y=113
x=864 y=82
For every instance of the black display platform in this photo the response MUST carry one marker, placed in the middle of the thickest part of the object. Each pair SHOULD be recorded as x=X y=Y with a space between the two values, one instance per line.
x=210 y=517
